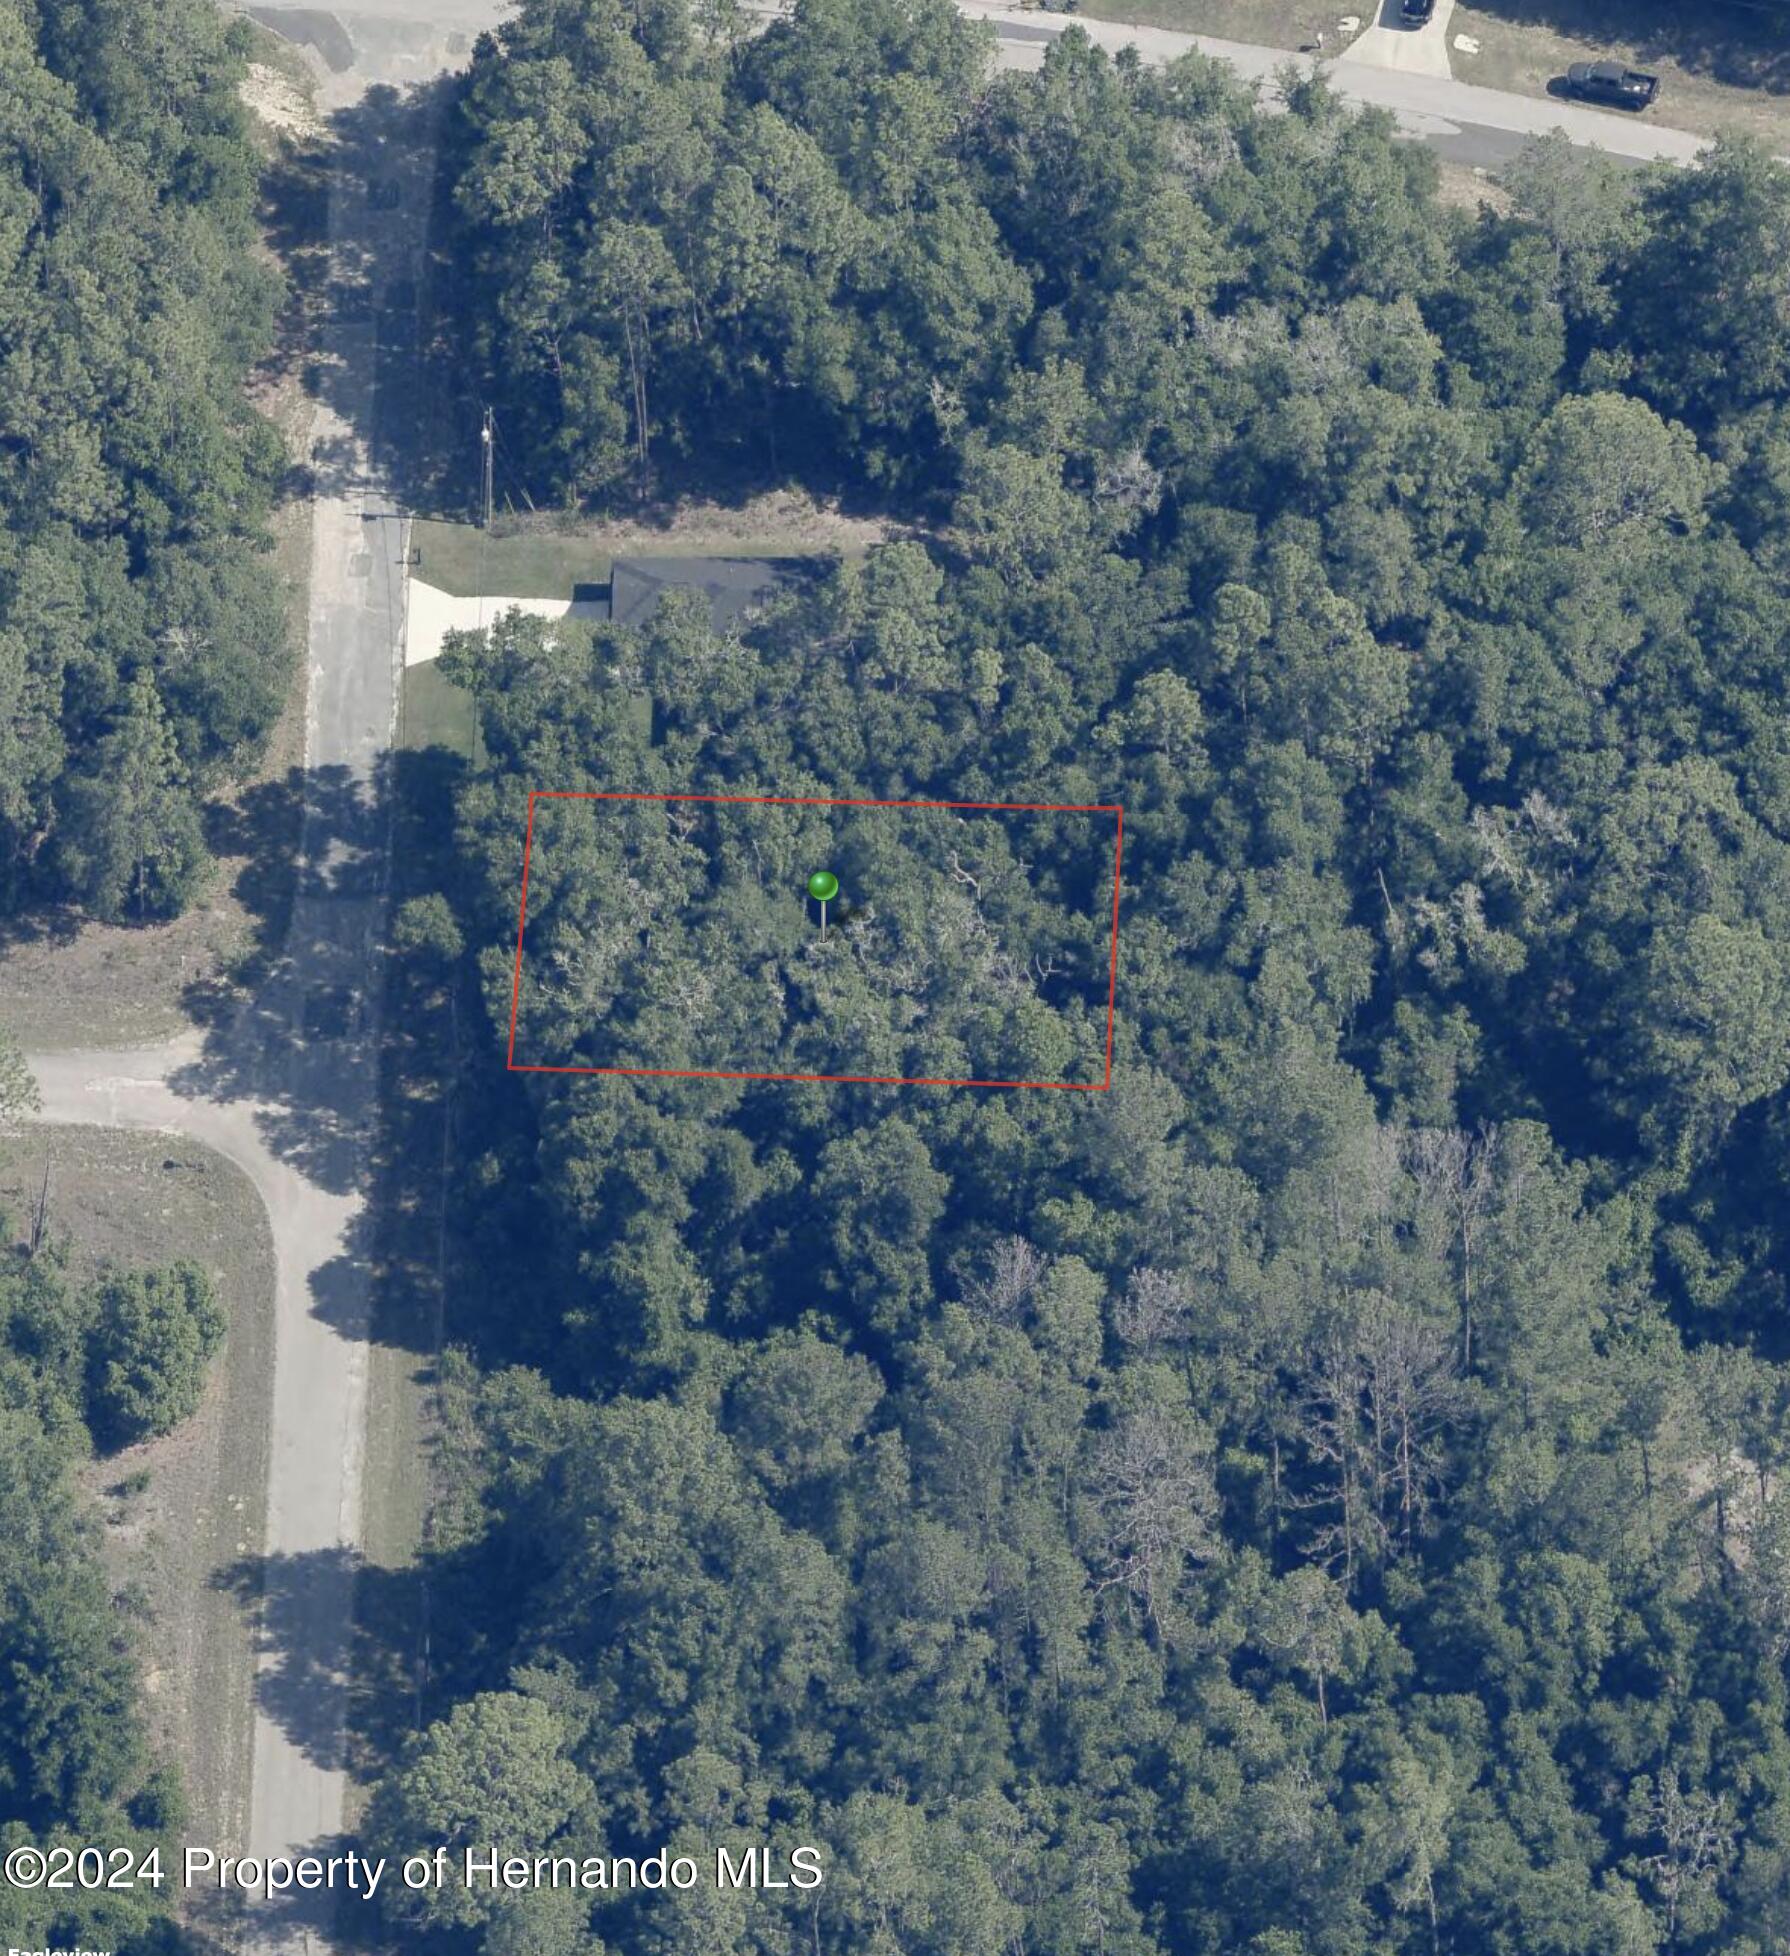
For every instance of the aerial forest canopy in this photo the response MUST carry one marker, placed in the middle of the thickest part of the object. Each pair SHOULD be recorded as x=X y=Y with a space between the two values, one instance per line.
x=1325 y=1496
x=141 y=637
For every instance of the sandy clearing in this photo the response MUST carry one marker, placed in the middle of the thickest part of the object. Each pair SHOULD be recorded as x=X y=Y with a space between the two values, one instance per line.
x=279 y=102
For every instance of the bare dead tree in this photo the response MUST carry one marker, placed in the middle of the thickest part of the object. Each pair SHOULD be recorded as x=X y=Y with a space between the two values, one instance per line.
x=1697 y=1830
x=1412 y=1394
x=1012 y=1272
x=1381 y=1391
x=1456 y=1175
x=1156 y=1309
x=1331 y=1432
x=1046 y=965
x=1157 y=1498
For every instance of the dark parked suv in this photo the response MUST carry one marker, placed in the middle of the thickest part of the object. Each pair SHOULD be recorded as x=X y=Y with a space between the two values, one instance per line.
x=1609 y=81
x=1415 y=12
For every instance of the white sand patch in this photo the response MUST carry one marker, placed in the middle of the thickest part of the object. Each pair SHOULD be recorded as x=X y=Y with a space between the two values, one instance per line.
x=278 y=101
x=431 y=614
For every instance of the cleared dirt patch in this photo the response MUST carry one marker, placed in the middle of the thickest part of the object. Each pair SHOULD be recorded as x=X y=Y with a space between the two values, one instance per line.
x=1465 y=188
x=278 y=99
x=179 y=1509
x=66 y=981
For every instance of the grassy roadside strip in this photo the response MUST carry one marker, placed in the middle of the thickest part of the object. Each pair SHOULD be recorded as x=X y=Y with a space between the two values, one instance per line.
x=408 y=1208
x=179 y=1512
x=1720 y=67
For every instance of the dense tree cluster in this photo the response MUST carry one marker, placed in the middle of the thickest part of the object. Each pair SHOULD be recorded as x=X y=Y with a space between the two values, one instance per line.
x=142 y=647
x=1326 y=1496
x=676 y=934
x=154 y=1336
x=118 y=1359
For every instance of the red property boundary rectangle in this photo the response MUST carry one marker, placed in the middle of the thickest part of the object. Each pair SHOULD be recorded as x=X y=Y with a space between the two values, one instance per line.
x=1104 y=1085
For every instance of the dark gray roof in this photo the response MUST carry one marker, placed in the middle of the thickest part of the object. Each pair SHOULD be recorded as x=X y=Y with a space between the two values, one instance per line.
x=732 y=584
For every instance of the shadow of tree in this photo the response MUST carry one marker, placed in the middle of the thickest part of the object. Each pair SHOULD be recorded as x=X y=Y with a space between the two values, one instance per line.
x=1744 y=46
x=60 y=924
x=298 y=1607
x=338 y=1648
x=220 y=1922
x=403 y=1231
x=300 y=1046
x=295 y=1033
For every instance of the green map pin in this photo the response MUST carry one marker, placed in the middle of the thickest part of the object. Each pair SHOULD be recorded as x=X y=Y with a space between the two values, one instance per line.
x=823 y=886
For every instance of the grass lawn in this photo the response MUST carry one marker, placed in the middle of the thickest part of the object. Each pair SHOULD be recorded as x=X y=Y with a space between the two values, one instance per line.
x=544 y=557
x=140 y=1200
x=456 y=557
x=1720 y=67
x=1289 y=24
x=438 y=714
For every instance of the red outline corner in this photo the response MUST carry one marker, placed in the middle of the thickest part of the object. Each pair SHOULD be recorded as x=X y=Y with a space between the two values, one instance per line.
x=1115 y=809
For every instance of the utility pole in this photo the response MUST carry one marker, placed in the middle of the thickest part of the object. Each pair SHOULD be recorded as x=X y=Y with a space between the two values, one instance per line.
x=488 y=436
x=40 y=1214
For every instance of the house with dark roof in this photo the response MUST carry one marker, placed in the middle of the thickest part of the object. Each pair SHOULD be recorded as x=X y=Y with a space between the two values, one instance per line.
x=732 y=585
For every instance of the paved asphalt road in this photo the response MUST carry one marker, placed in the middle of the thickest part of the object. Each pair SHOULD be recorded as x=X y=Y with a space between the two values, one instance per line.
x=287 y=1088
x=1482 y=126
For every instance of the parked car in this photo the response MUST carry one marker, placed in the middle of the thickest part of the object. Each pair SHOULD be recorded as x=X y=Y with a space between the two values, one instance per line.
x=1610 y=82
x=1415 y=12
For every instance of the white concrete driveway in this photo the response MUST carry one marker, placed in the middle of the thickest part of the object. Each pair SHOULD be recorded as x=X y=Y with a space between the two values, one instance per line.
x=1388 y=43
